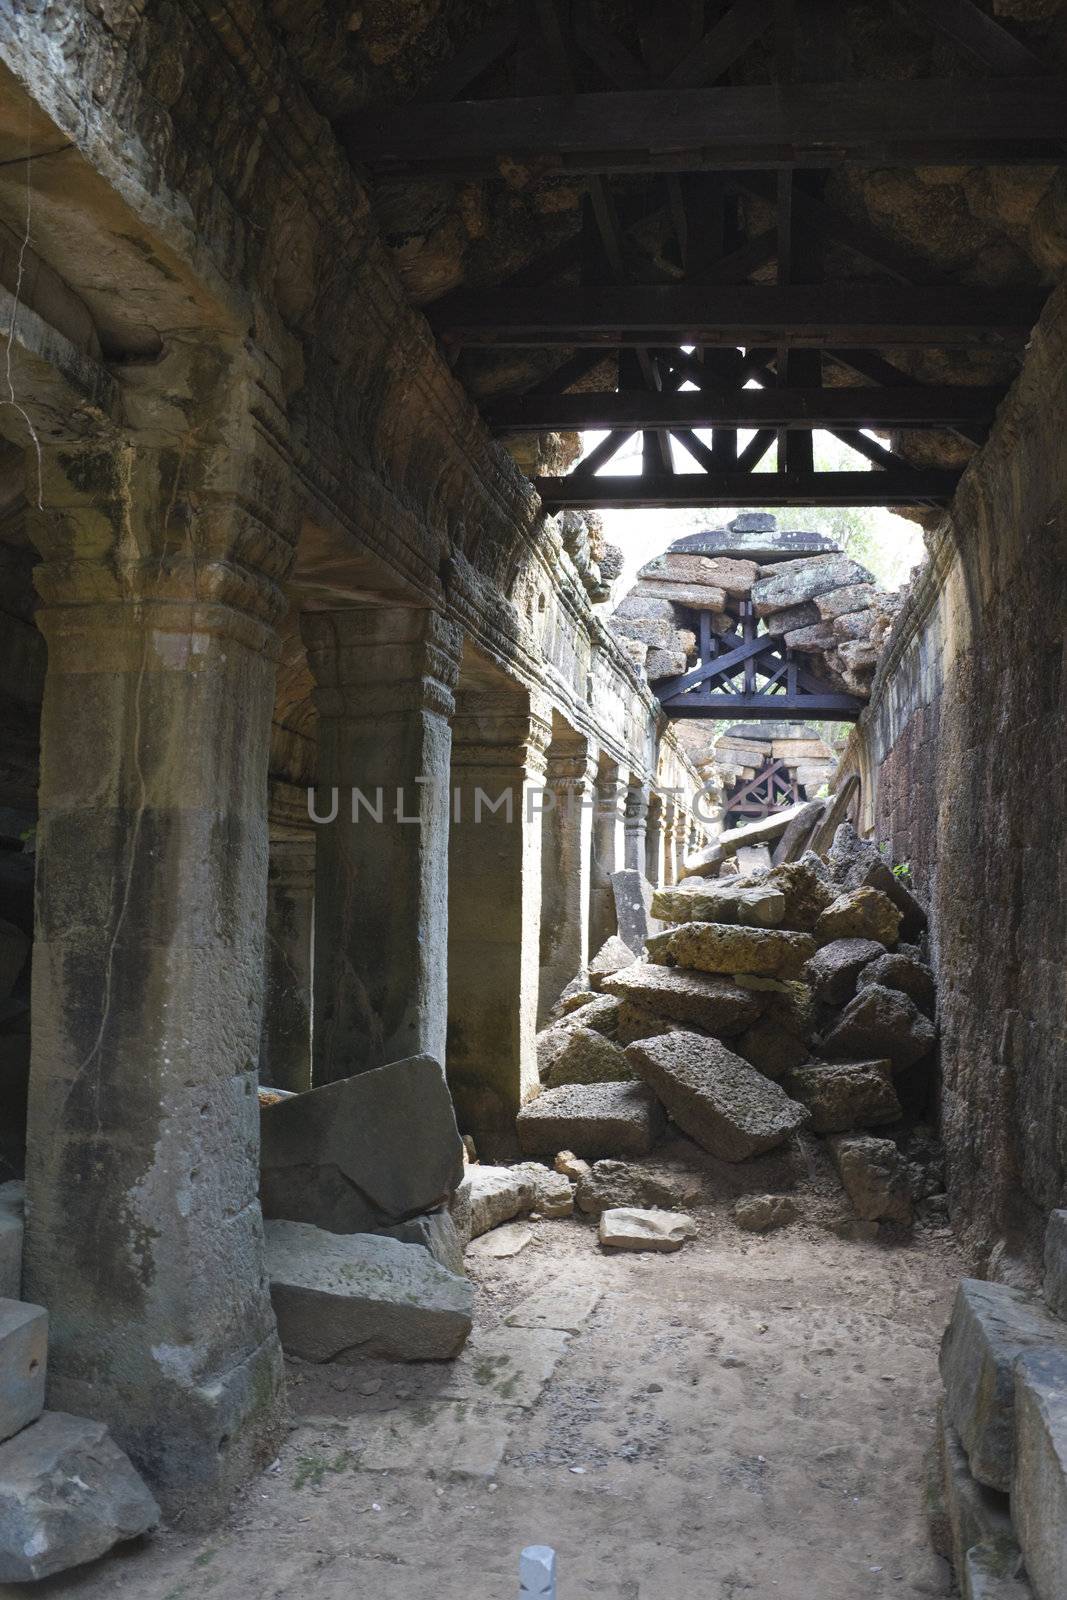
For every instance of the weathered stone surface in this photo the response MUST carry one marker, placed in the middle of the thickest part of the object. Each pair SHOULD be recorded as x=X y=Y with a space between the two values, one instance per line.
x=833 y=970
x=14 y=948
x=763 y=1213
x=717 y=947
x=714 y=1096
x=435 y=1232
x=807 y=893
x=991 y=1326
x=895 y=970
x=592 y=1119
x=505 y=1366
x=733 y=575
x=882 y=1022
x=702 y=1000
x=859 y=914
x=811 y=641
x=874 y=1175
x=844 y=1095
x=508 y=1240
x=607 y=1184
x=702 y=596
x=975 y=1513
x=629 y=1229
x=771 y=1049
x=496 y=1194
x=586 y=1057
x=553 y=1192
x=806 y=580
x=1055 y=1285
x=852 y=598
x=363 y=1152
x=565 y=1305
x=665 y=664
x=574 y=997
x=344 y=1296
x=1039 y=1482
x=12 y=1204
x=994 y=1572
x=601 y=1014
x=67 y=1495
x=23 y=1360
x=789 y=618
x=857 y=863
x=613 y=956
x=754 y=905
x=632 y=893
x=635 y=1022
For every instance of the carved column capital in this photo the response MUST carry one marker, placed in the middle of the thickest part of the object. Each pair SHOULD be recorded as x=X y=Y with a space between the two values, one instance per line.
x=376 y=661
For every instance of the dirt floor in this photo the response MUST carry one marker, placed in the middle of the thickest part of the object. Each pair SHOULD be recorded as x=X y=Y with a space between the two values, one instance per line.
x=747 y=1418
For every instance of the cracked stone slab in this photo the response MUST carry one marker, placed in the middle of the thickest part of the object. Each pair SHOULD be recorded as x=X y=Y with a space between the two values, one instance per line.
x=505 y=1366
x=441 y=1436
x=566 y=1307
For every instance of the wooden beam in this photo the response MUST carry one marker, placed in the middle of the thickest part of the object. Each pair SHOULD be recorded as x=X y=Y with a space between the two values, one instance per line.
x=722 y=44
x=767 y=707
x=980 y=34
x=875 y=368
x=805 y=316
x=910 y=122
x=914 y=487
x=476 y=57
x=933 y=406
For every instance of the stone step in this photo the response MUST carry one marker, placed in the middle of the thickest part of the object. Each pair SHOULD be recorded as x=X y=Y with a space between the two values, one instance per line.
x=346 y=1296
x=23 y=1362
x=1039 y=1484
x=991 y=1326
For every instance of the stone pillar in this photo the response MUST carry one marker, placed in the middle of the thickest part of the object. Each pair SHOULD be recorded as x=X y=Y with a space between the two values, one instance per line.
x=655 y=837
x=285 y=1041
x=384 y=676
x=608 y=851
x=638 y=796
x=567 y=845
x=498 y=768
x=163 y=557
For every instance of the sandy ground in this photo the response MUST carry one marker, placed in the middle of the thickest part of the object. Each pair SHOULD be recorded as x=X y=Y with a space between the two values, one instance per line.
x=746 y=1418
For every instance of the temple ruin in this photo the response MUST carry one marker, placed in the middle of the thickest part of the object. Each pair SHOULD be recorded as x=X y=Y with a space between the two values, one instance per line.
x=513 y=1039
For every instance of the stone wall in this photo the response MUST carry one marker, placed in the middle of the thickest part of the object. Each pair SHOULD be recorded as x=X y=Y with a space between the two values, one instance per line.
x=963 y=761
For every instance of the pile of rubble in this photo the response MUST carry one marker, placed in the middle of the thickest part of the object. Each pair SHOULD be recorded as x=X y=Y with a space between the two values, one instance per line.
x=825 y=606
x=794 y=998
x=997 y=1485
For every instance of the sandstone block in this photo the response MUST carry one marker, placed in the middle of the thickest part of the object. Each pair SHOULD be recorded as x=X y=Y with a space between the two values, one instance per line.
x=609 y=1184
x=592 y=1119
x=614 y=954
x=700 y=596
x=1055 y=1285
x=734 y=575
x=344 y=1296
x=11 y=1232
x=653 y=631
x=764 y=1213
x=994 y=1572
x=882 y=1022
x=991 y=1326
x=23 y=1360
x=637 y=1023
x=845 y=1095
x=718 y=947
x=67 y=1495
x=874 y=1175
x=790 y=618
x=895 y=970
x=435 y=1232
x=553 y=1192
x=640 y=606
x=701 y=1000
x=714 y=1096
x=601 y=1014
x=834 y=970
x=976 y=1514
x=459 y=1209
x=807 y=892
x=756 y=905
x=630 y=1229
x=496 y=1195
x=806 y=580
x=853 y=597
x=362 y=1153
x=586 y=1057
x=810 y=641
x=859 y=914
x=665 y=664
x=856 y=863
x=1039 y=1483
x=771 y=1049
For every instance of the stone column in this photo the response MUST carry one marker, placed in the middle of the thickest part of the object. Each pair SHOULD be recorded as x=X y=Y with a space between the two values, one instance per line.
x=608 y=851
x=384 y=676
x=638 y=796
x=655 y=839
x=566 y=866
x=163 y=555
x=285 y=1041
x=498 y=767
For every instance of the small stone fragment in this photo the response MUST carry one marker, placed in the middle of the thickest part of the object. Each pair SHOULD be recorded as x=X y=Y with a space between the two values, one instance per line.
x=497 y=1194
x=874 y=1175
x=762 y=1213
x=859 y=914
x=571 y=1166
x=608 y=1184
x=503 y=1242
x=626 y=1228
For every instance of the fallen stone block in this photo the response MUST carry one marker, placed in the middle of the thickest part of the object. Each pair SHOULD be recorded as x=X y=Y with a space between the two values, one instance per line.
x=637 y=1023
x=882 y=1022
x=435 y=1232
x=702 y=1000
x=592 y=1119
x=976 y=1514
x=715 y=947
x=613 y=956
x=1055 y=1285
x=728 y=1107
x=856 y=863
x=845 y=1094
x=834 y=970
x=754 y=905
x=633 y=908
x=991 y=1326
x=67 y=1495
x=23 y=1360
x=859 y=914
x=806 y=580
x=12 y=1205
x=894 y=970
x=772 y=1049
x=694 y=596
x=459 y=1209
x=553 y=1192
x=842 y=602
x=585 y=1057
x=665 y=664
x=804 y=885
x=503 y=1242
x=576 y=995
x=763 y=1213
x=874 y=1175
x=1039 y=1482
x=629 y=1229
x=497 y=1194
x=994 y=1572
x=362 y=1153
x=601 y=1014
x=805 y=614
x=343 y=1296
x=607 y=1185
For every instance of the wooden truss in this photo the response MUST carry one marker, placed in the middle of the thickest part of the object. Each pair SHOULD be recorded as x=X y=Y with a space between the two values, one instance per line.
x=773 y=788
x=749 y=675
